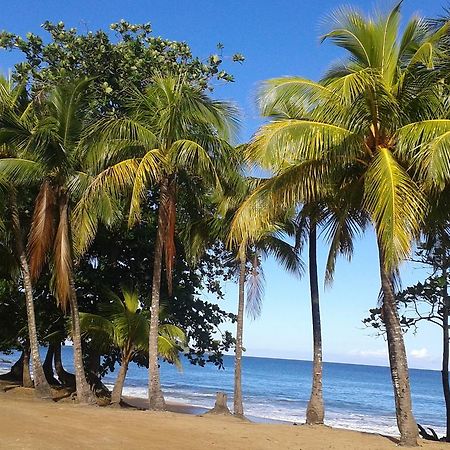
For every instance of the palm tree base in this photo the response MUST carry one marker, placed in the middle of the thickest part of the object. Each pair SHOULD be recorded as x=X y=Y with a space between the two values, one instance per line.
x=156 y=401
x=314 y=413
x=43 y=392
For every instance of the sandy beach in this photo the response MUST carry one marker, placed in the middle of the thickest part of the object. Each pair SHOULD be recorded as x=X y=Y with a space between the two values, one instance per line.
x=28 y=423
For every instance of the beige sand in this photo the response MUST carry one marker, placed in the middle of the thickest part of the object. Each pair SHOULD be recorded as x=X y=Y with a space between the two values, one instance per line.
x=28 y=423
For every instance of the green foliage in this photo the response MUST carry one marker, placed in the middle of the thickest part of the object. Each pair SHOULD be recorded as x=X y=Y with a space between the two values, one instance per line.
x=74 y=79
x=131 y=56
x=12 y=317
x=376 y=125
x=129 y=261
x=124 y=325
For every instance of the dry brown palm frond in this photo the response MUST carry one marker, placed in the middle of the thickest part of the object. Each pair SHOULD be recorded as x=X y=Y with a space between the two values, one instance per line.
x=42 y=229
x=62 y=259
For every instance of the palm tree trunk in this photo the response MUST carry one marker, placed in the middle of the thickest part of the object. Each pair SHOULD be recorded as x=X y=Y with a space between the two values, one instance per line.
x=155 y=395
x=445 y=353
x=84 y=393
x=238 y=406
x=397 y=360
x=26 y=375
x=65 y=378
x=116 y=395
x=315 y=410
x=41 y=385
x=48 y=366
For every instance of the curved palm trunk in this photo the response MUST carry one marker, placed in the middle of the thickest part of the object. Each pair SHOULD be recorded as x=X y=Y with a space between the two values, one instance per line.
x=116 y=395
x=15 y=374
x=238 y=406
x=155 y=395
x=41 y=385
x=66 y=378
x=48 y=366
x=397 y=360
x=315 y=410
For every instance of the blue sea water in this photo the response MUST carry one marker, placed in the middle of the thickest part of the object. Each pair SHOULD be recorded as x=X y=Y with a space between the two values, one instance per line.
x=356 y=396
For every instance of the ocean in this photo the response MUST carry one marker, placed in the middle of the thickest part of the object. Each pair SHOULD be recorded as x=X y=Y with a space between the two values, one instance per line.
x=356 y=397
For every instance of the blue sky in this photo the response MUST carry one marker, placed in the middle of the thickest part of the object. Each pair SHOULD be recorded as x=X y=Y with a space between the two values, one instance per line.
x=277 y=38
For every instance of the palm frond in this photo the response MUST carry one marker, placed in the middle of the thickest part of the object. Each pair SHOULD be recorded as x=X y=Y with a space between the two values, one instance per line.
x=149 y=171
x=21 y=171
x=396 y=206
x=42 y=231
x=61 y=282
x=255 y=288
x=426 y=145
x=290 y=141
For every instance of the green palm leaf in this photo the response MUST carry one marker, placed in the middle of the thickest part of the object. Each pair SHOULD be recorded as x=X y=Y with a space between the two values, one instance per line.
x=396 y=205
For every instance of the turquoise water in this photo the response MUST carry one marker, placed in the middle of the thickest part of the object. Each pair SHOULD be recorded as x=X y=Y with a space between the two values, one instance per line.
x=357 y=397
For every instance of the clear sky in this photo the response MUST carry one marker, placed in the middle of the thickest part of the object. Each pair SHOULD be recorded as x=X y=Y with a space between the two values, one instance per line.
x=277 y=38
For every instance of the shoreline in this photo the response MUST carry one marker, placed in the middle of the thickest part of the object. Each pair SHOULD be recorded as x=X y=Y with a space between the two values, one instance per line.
x=183 y=408
x=30 y=423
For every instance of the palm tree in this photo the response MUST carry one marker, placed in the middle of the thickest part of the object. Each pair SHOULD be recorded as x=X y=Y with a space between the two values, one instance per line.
x=246 y=257
x=14 y=113
x=124 y=325
x=186 y=133
x=377 y=126
x=337 y=219
x=251 y=276
x=54 y=154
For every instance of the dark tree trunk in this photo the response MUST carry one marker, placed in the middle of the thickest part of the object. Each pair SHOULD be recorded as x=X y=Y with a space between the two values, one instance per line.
x=41 y=385
x=315 y=410
x=48 y=366
x=445 y=353
x=397 y=360
x=94 y=362
x=16 y=372
x=26 y=375
x=65 y=378
x=116 y=395
x=155 y=395
x=238 y=406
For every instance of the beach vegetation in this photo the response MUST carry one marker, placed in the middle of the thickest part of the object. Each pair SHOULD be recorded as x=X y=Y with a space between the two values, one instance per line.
x=123 y=324
x=119 y=167
x=376 y=125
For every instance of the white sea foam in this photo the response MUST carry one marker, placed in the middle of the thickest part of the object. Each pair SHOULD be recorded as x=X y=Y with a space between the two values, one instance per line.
x=265 y=411
x=266 y=399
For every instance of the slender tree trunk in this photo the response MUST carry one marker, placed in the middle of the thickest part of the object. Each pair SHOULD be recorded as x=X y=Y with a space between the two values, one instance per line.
x=65 y=378
x=238 y=406
x=155 y=395
x=41 y=385
x=48 y=366
x=116 y=395
x=398 y=360
x=445 y=353
x=26 y=375
x=84 y=393
x=315 y=410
